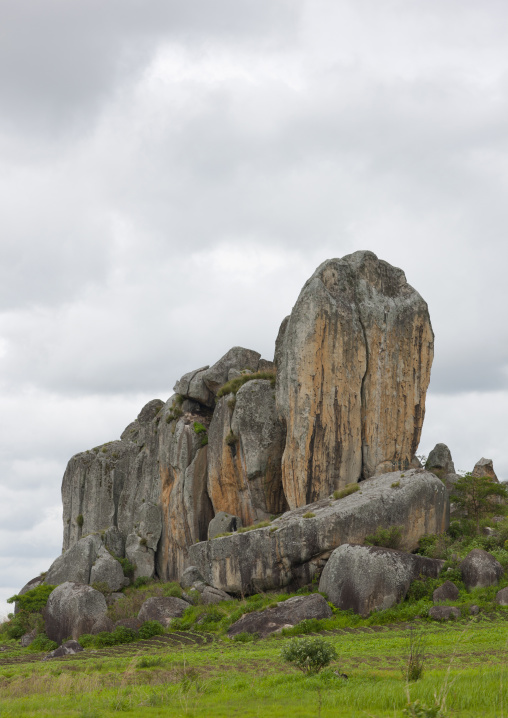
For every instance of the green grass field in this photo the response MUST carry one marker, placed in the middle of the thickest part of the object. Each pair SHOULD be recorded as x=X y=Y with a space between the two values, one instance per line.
x=203 y=674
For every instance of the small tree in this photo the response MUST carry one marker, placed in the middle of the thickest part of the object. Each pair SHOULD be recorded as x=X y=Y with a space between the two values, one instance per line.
x=310 y=655
x=475 y=495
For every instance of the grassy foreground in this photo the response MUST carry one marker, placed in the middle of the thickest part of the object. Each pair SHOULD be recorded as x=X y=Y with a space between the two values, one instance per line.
x=198 y=674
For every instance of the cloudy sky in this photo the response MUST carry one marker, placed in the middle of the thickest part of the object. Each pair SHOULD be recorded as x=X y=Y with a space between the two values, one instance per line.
x=172 y=171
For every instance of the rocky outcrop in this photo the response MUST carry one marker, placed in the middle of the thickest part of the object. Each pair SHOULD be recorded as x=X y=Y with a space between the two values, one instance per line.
x=353 y=367
x=293 y=548
x=371 y=578
x=352 y=361
x=68 y=648
x=440 y=458
x=285 y=615
x=480 y=569
x=502 y=597
x=222 y=523
x=485 y=467
x=72 y=609
x=444 y=613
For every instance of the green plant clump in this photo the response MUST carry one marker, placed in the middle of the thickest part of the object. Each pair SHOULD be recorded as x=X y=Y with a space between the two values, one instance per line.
x=346 y=491
x=310 y=655
x=199 y=428
x=33 y=600
x=260 y=525
x=475 y=495
x=79 y=520
x=42 y=643
x=231 y=438
x=232 y=387
x=150 y=629
x=389 y=538
x=309 y=515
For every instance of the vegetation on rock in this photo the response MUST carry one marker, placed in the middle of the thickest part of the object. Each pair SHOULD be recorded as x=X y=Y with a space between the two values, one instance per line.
x=232 y=387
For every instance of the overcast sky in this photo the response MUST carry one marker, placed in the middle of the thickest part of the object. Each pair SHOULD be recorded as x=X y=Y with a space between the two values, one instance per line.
x=171 y=172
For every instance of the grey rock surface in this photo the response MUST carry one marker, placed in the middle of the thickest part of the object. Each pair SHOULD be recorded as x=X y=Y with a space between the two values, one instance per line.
x=223 y=522
x=293 y=548
x=66 y=649
x=485 y=467
x=211 y=595
x=237 y=358
x=76 y=563
x=28 y=638
x=133 y=623
x=358 y=337
x=444 y=613
x=287 y=614
x=502 y=597
x=149 y=524
x=440 y=458
x=140 y=555
x=73 y=609
x=474 y=610
x=448 y=591
x=372 y=578
x=114 y=541
x=162 y=609
x=107 y=570
x=190 y=576
x=480 y=569
x=103 y=624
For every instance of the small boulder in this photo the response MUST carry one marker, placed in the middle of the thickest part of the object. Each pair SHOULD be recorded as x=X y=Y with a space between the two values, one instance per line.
x=448 y=591
x=444 y=613
x=73 y=609
x=212 y=595
x=190 y=576
x=192 y=386
x=372 y=578
x=103 y=624
x=440 y=458
x=114 y=597
x=474 y=610
x=114 y=541
x=285 y=615
x=502 y=597
x=480 y=569
x=162 y=609
x=222 y=523
x=236 y=358
x=27 y=639
x=66 y=649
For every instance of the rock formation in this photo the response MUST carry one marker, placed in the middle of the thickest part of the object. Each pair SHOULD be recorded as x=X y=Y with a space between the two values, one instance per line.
x=353 y=366
x=248 y=439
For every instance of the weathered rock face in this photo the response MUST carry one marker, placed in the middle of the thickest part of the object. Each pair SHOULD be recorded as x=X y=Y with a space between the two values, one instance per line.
x=440 y=458
x=245 y=444
x=353 y=369
x=76 y=563
x=444 y=613
x=372 y=578
x=223 y=522
x=285 y=615
x=485 y=467
x=293 y=548
x=162 y=609
x=448 y=591
x=107 y=570
x=66 y=649
x=480 y=569
x=72 y=609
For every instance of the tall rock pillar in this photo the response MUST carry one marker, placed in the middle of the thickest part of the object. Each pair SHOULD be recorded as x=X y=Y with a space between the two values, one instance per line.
x=353 y=367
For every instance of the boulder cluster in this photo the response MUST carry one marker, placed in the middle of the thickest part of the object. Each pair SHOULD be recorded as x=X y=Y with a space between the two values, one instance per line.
x=258 y=474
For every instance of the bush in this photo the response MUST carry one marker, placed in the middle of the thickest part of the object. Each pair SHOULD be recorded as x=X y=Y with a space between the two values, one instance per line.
x=150 y=629
x=309 y=515
x=389 y=538
x=33 y=600
x=260 y=525
x=127 y=567
x=43 y=643
x=142 y=581
x=245 y=637
x=199 y=428
x=310 y=655
x=172 y=589
x=231 y=438
x=79 y=518
x=346 y=491
x=87 y=640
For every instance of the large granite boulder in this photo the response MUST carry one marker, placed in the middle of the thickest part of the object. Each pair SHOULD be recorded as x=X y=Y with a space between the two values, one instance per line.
x=448 y=591
x=162 y=609
x=286 y=615
x=192 y=386
x=480 y=569
x=76 y=563
x=245 y=445
x=353 y=367
x=296 y=545
x=72 y=609
x=372 y=578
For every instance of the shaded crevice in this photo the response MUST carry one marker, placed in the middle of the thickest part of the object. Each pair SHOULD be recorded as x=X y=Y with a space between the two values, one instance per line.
x=363 y=407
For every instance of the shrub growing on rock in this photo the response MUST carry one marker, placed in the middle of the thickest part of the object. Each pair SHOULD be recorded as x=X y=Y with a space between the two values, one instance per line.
x=310 y=655
x=33 y=600
x=389 y=538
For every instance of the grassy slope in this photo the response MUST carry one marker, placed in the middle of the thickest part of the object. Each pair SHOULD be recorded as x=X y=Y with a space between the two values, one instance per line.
x=223 y=678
